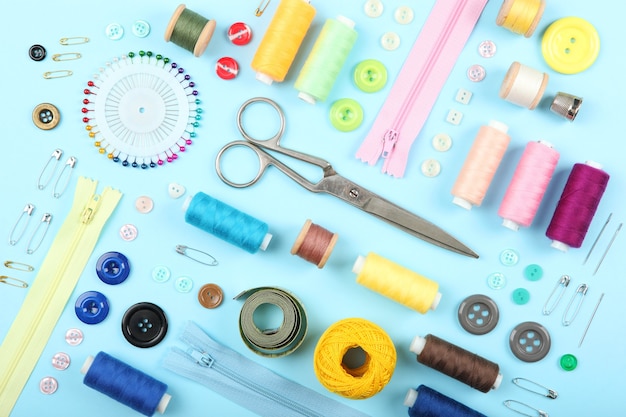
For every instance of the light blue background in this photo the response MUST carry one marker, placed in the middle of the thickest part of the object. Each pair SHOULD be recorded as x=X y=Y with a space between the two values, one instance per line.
x=330 y=294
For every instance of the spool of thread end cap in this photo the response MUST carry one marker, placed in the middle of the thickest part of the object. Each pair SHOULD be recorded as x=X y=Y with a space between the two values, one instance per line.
x=410 y=398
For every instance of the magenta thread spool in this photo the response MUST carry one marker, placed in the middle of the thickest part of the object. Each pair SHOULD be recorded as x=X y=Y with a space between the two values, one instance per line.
x=577 y=205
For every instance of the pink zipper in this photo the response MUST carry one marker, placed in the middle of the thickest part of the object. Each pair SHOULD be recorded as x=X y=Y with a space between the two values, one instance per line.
x=443 y=37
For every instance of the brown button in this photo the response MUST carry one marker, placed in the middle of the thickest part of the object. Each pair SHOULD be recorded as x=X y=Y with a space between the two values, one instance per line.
x=144 y=204
x=46 y=116
x=210 y=295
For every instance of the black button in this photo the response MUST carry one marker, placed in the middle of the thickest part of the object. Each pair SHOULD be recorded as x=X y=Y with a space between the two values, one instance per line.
x=144 y=325
x=37 y=52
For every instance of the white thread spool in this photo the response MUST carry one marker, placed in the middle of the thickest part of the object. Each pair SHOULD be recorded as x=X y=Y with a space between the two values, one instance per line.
x=523 y=85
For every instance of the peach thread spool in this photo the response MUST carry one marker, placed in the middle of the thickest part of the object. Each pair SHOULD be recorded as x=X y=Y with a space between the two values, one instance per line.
x=314 y=244
x=480 y=165
x=189 y=30
x=521 y=16
x=523 y=85
x=528 y=185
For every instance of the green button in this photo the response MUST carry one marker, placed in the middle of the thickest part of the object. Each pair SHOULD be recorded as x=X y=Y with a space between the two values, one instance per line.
x=533 y=272
x=509 y=257
x=346 y=114
x=568 y=362
x=521 y=296
x=496 y=280
x=370 y=75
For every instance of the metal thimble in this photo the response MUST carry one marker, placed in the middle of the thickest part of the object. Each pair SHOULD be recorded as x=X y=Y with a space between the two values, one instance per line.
x=566 y=105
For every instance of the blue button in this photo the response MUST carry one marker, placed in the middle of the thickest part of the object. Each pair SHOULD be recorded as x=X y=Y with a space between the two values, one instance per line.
x=112 y=268
x=91 y=307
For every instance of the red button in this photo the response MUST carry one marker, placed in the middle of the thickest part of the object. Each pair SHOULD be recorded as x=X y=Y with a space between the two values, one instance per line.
x=227 y=68
x=240 y=34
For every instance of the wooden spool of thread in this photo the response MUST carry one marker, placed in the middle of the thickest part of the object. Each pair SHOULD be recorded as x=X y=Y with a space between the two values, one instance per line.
x=397 y=283
x=189 y=30
x=523 y=85
x=456 y=362
x=281 y=41
x=480 y=165
x=314 y=244
x=521 y=16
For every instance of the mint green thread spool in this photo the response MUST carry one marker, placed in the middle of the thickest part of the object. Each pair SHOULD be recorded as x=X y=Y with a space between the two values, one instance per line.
x=189 y=30
x=324 y=63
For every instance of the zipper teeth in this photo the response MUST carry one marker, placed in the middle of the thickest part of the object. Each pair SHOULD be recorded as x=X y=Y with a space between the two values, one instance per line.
x=432 y=58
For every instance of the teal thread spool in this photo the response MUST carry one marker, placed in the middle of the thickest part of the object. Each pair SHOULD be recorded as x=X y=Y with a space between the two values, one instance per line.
x=324 y=63
x=226 y=222
x=189 y=30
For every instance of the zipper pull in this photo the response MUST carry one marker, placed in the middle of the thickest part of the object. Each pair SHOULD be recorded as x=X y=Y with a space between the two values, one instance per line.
x=389 y=142
x=202 y=358
x=90 y=209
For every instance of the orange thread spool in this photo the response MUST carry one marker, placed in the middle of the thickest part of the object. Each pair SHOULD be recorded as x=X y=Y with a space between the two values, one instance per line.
x=314 y=244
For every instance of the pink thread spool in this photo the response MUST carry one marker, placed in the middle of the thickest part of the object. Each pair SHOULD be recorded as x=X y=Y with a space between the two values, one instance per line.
x=480 y=165
x=577 y=205
x=314 y=244
x=529 y=184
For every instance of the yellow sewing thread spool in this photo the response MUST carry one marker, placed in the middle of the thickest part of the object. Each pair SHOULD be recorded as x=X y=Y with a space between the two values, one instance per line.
x=189 y=30
x=281 y=41
x=357 y=338
x=396 y=282
x=521 y=16
x=523 y=85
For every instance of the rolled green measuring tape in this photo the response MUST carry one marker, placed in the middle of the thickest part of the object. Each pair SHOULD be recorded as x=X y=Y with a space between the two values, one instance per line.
x=276 y=342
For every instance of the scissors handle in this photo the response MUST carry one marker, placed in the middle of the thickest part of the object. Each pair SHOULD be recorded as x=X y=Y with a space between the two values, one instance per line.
x=274 y=141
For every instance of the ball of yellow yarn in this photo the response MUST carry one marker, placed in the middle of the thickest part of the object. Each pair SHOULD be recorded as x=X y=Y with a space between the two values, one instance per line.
x=369 y=378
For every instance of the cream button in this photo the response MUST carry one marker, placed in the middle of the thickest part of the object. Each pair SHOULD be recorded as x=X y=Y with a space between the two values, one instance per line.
x=144 y=204
x=390 y=41
x=431 y=168
x=404 y=15
x=373 y=8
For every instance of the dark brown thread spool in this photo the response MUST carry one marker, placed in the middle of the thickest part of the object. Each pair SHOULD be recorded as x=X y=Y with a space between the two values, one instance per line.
x=314 y=244
x=458 y=363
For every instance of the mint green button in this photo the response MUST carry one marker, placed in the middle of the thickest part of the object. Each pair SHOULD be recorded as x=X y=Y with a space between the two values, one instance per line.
x=496 y=280
x=183 y=284
x=521 y=296
x=161 y=273
x=346 y=114
x=509 y=257
x=533 y=272
x=370 y=75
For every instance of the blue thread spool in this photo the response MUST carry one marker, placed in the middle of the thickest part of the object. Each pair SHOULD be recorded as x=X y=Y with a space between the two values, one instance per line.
x=426 y=402
x=125 y=384
x=226 y=222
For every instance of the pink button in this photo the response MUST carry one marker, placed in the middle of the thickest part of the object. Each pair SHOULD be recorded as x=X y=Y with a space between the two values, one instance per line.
x=74 y=337
x=240 y=34
x=476 y=73
x=61 y=361
x=128 y=232
x=487 y=49
x=144 y=204
x=227 y=68
x=48 y=385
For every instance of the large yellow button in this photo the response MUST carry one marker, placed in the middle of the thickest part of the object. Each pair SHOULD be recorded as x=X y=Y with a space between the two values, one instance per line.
x=570 y=45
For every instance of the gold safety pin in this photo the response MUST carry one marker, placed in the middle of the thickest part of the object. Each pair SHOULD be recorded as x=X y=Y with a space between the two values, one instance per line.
x=259 y=10
x=26 y=213
x=582 y=291
x=19 y=266
x=14 y=282
x=56 y=156
x=67 y=56
x=48 y=75
x=535 y=388
x=45 y=220
x=182 y=249
x=76 y=40
x=527 y=408
x=562 y=282
x=70 y=163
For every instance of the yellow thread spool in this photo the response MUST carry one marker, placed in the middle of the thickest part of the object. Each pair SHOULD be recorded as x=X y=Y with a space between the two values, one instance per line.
x=349 y=336
x=282 y=40
x=521 y=16
x=397 y=282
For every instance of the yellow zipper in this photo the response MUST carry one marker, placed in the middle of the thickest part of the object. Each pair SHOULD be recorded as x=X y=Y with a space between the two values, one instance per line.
x=52 y=288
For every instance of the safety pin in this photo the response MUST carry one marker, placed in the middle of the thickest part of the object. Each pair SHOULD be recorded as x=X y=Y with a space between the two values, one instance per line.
x=76 y=40
x=582 y=290
x=259 y=10
x=14 y=282
x=45 y=220
x=67 y=56
x=71 y=161
x=56 y=156
x=562 y=282
x=537 y=412
x=48 y=75
x=182 y=249
x=26 y=213
x=607 y=248
x=549 y=393
x=595 y=242
x=19 y=266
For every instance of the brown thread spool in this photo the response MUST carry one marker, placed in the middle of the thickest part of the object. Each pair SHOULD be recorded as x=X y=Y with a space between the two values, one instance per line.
x=314 y=244
x=458 y=363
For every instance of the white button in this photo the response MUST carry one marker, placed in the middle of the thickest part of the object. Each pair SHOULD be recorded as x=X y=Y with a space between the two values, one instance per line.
x=442 y=142
x=431 y=168
x=114 y=31
x=463 y=96
x=390 y=41
x=373 y=8
x=183 y=284
x=161 y=273
x=496 y=280
x=128 y=232
x=476 y=73
x=454 y=117
x=404 y=15
x=175 y=190
x=487 y=49
x=141 y=28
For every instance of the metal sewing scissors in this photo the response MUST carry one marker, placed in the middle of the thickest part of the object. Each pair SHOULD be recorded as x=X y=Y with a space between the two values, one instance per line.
x=333 y=184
